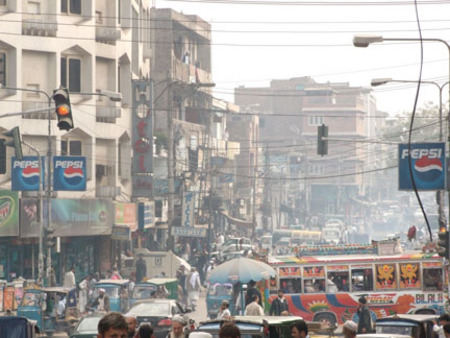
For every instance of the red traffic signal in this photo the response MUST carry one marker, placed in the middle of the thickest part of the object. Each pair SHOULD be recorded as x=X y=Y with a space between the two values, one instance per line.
x=63 y=109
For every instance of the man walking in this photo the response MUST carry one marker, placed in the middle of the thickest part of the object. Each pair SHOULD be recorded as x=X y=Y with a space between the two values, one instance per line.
x=112 y=325
x=279 y=305
x=141 y=269
x=193 y=287
x=254 y=309
x=69 y=278
x=365 y=320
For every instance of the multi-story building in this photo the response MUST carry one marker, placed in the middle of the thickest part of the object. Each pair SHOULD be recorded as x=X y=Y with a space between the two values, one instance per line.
x=291 y=111
x=94 y=48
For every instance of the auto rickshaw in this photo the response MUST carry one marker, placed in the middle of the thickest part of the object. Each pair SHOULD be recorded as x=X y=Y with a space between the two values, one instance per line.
x=117 y=291
x=16 y=327
x=53 y=309
x=412 y=325
x=217 y=293
x=166 y=285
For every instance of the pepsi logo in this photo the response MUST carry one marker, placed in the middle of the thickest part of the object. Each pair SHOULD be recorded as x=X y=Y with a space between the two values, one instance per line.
x=73 y=175
x=428 y=169
x=30 y=175
x=69 y=173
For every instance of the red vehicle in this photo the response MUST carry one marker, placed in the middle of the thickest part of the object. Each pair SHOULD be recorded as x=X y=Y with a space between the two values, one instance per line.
x=327 y=287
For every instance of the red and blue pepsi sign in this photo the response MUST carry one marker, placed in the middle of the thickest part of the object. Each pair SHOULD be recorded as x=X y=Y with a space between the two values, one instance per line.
x=428 y=166
x=69 y=173
x=25 y=173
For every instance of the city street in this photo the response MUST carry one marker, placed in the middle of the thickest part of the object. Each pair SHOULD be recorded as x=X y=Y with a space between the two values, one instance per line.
x=199 y=314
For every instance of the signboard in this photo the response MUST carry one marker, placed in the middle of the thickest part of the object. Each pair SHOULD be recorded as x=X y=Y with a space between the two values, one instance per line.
x=30 y=217
x=428 y=166
x=146 y=215
x=9 y=213
x=188 y=208
x=79 y=217
x=25 y=173
x=142 y=138
x=189 y=232
x=69 y=173
x=120 y=233
x=126 y=214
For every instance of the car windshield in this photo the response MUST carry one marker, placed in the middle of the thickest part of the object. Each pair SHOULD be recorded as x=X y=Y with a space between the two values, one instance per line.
x=143 y=292
x=151 y=309
x=88 y=324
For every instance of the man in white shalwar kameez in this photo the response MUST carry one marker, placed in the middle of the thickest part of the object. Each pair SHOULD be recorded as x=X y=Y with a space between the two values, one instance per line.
x=83 y=295
x=193 y=288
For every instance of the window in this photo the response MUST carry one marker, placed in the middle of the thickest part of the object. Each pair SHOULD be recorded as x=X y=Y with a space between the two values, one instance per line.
x=3 y=69
x=316 y=169
x=35 y=87
x=314 y=120
x=432 y=279
x=98 y=17
x=291 y=285
x=338 y=279
x=409 y=275
x=71 y=74
x=314 y=279
x=2 y=2
x=72 y=148
x=362 y=278
x=386 y=276
x=71 y=6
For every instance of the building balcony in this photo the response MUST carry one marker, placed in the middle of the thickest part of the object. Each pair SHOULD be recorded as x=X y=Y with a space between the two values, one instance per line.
x=188 y=73
x=107 y=113
x=108 y=191
x=107 y=34
x=39 y=24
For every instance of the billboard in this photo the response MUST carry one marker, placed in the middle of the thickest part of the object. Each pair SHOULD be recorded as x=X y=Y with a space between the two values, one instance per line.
x=25 y=173
x=9 y=213
x=188 y=209
x=82 y=217
x=126 y=214
x=69 y=173
x=428 y=166
x=30 y=216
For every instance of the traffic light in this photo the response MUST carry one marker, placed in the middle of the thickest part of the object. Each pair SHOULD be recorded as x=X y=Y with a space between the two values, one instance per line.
x=2 y=157
x=16 y=142
x=443 y=244
x=50 y=239
x=63 y=109
x=322 y=145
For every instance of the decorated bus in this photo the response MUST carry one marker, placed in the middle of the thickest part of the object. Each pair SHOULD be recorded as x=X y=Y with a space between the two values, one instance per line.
x=326 y=286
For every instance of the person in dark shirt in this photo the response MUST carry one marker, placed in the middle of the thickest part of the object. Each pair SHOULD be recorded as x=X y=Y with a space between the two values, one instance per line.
x=252 y=290
x=279 y=305
x=141 y=269
x=365 y=320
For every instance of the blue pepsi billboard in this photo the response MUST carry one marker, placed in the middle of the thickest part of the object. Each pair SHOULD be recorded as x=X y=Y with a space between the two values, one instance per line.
x=69 y=173
x=25 y=173
x=428 y=166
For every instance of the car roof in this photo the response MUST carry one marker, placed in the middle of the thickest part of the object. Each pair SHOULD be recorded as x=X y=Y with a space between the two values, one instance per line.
x=407 y=317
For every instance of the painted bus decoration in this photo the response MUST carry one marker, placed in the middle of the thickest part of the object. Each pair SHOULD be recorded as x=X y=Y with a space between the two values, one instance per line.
x=327 y=288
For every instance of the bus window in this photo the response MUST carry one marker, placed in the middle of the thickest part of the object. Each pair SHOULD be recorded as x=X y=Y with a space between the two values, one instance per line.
x=409 y=275
x=315 y=279
x=432 y=279
x=291 y=285
x=362 y=279
x=315 y=285
x=386 y=279
x=337 y=281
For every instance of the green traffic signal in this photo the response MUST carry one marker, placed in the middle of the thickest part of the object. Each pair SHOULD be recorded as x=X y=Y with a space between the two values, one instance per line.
x=16 y=142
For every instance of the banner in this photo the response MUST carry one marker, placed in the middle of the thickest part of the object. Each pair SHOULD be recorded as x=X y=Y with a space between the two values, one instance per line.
x=146 y=215
x=126 y=214
x=69 y=173
x=9 y=213
x=30 y=217
x=188 y=209
x=82 y=217
x=428 y=166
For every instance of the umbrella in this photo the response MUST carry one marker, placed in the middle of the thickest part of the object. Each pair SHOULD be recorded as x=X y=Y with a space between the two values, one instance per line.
x=241 y=270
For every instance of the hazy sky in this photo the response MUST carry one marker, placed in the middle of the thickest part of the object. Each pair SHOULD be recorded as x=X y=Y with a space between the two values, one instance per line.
x=255 y=41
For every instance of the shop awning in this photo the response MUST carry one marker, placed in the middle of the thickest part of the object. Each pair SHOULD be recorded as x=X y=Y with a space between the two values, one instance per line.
x=237 y=221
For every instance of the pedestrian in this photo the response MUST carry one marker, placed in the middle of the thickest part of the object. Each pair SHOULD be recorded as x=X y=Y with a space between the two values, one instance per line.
x=224 y=312
x=144 y=331
x=208 y=270
x=112 y=325
x=229 y=330
x=181 y=276
x=279 y=305
x=299 y=329
x=178 y=324
x=193 y=287
x=52 y=281
x=141 y=269
x=365 y=320
x=447 y=330
x=132 y=325
x=69 y=278
x=101 y=303
x=438 y=327
x=254 y=309
x=349 y=329
x=252 y=290
x=115 y=274
x=83 y=294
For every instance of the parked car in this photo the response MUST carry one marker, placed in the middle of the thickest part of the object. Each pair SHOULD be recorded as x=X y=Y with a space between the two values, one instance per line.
x=158 y=313
x=87 y=326
x=411 y=325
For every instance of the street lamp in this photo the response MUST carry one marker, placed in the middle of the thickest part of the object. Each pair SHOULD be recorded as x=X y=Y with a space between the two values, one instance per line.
x=115 y=97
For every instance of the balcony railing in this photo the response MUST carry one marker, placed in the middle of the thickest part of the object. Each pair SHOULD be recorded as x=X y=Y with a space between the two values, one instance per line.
x=38 y=24
x=107 y=34
x=108 y=191
x=107 y=113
